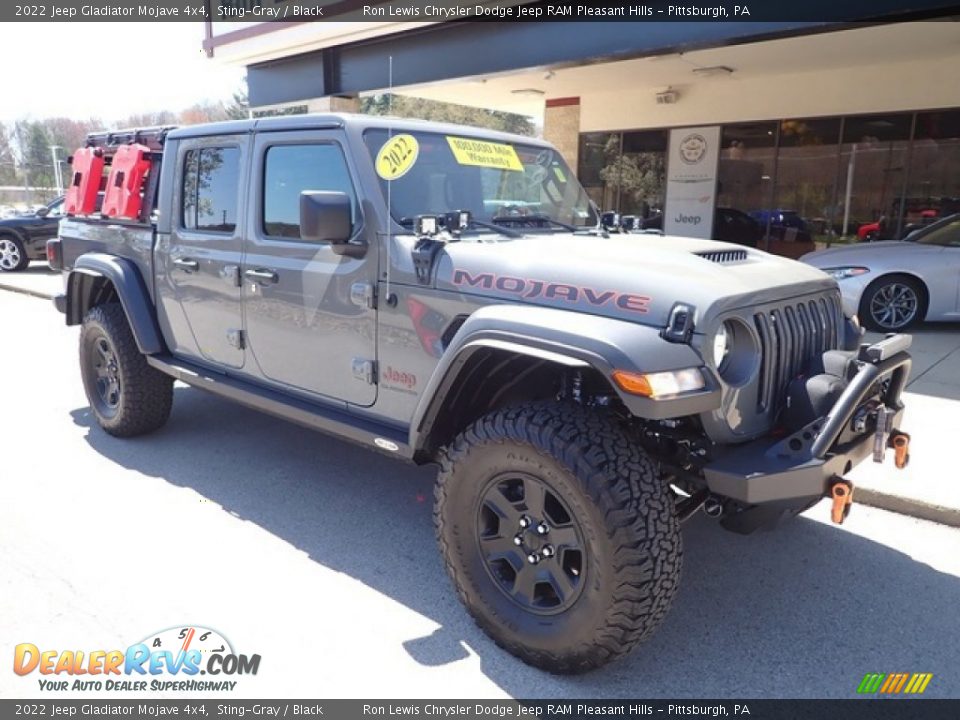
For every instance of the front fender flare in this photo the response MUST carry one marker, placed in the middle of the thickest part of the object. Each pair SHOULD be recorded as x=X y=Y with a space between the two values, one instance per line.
x=130 y=288
x=572 y=339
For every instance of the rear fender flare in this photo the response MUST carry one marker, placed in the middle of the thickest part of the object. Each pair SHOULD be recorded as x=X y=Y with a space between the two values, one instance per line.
x=122 y=274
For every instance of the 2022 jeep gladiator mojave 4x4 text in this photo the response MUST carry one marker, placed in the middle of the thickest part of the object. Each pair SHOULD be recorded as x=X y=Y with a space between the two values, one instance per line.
x=444 y=294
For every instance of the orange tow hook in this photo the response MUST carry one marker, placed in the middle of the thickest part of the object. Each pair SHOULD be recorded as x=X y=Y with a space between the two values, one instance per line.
x=841 y=491
x=900 y=442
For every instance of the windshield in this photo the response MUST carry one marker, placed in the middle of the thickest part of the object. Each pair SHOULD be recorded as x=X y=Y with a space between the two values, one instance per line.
x=506 y=184
x=944 y=233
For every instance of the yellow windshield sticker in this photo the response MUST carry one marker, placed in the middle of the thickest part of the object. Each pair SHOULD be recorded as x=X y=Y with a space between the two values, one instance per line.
x=397 y=156
x=482 y=153
x=559 y=173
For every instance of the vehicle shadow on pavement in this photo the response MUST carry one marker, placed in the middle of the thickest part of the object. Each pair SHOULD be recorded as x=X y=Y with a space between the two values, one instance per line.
x=802 y=612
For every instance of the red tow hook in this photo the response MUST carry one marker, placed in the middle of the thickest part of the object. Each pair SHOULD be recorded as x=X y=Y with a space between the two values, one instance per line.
x=841 y=492
x=900 y=442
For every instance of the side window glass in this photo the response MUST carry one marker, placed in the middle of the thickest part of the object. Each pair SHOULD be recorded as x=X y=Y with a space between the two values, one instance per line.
x=291 y=169
x=211 y=179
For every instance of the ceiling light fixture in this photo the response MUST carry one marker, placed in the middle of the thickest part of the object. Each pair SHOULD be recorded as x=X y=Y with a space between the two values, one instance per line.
x=527 y=91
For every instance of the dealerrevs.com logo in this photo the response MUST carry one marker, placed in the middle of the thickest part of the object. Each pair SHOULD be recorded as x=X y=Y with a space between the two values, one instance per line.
x=170 y=660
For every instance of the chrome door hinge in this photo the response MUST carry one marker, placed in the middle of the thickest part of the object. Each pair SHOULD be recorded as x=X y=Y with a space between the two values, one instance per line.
x=235 y=338
x=365 y=370
x=364 y=295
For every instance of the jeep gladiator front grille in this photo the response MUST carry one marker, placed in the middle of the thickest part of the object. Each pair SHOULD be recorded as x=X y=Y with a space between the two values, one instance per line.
x=790 y=336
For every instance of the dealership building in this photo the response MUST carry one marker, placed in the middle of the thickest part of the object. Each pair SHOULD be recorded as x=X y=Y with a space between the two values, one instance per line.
x=812 y=129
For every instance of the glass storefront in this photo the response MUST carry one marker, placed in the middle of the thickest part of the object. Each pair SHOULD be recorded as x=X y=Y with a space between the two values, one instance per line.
x=625 y=172
x=799 y=181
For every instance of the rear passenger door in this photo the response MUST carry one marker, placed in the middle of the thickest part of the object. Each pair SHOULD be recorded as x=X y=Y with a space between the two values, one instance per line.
x=309 y=324
x=201 y=265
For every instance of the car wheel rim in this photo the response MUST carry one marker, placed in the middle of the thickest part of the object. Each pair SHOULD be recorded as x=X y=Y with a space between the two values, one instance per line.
x=894 y=305
x=530 y=543
x=9 y=254
x=105 y=376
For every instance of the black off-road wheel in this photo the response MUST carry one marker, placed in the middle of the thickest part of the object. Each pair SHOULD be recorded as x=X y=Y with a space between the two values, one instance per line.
x=558 y=533
x=127 y=396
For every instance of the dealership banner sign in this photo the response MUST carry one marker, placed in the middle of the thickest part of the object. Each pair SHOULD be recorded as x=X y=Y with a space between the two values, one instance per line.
x=692 y=161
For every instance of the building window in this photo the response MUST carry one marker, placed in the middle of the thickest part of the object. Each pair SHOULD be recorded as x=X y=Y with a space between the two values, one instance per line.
x=933 y=187
x=599 y=167
x=807 y=167
x=211 y=182
x=642 y=175
x=291 y=169
x=747 y=160
x=873 y=160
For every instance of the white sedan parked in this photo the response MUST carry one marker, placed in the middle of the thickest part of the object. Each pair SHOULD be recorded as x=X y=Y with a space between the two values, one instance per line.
x=892 y=285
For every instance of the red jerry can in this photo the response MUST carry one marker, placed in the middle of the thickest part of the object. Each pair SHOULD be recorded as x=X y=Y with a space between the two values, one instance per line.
x=87 y=168
x=123 y=196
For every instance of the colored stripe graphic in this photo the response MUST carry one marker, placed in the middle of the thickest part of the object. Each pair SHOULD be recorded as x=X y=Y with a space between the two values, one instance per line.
x=894 y=683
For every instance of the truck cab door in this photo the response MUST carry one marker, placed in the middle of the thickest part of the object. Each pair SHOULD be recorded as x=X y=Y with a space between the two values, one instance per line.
x=46 y=228
x=198 y=263
x=310 y=317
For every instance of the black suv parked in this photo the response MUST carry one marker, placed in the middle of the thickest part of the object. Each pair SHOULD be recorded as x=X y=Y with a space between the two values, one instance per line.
x=24 y=238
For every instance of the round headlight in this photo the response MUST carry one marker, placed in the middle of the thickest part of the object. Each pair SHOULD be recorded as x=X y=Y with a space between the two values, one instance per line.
x=721 y=346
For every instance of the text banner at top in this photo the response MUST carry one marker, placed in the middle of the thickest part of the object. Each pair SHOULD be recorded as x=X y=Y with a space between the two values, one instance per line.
x=222 y=14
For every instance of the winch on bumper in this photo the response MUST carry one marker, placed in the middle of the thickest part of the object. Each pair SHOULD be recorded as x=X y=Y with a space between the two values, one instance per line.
x=772 y=480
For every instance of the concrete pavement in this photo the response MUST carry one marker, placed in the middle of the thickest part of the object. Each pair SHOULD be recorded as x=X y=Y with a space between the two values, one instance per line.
x=929 y=487
x=319 y=555
x=37 y=280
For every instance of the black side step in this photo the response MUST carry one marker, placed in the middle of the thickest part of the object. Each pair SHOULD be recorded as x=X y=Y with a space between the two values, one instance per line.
x=333 y=420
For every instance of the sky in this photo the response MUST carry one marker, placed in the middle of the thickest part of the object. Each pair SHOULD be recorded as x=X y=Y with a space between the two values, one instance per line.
x=64 y=69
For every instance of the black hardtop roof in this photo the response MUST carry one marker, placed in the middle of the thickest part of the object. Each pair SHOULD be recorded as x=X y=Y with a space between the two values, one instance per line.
x=327 y=121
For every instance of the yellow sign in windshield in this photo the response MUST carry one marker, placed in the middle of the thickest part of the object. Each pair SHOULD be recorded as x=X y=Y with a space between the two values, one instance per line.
x=484 y=154
x=397 y=156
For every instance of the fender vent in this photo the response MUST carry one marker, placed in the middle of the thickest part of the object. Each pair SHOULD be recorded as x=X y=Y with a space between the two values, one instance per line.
x=723 y=256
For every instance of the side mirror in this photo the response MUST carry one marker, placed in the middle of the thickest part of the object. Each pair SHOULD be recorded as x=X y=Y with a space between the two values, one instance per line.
x=43 y=212
x=325 y=217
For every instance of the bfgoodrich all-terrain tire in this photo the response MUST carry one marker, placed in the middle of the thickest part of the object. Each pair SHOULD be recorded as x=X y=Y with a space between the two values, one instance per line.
x=558 y=533
x=127 y=396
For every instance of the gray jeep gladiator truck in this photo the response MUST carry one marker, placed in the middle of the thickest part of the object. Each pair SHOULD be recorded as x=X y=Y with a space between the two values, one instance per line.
x=447 y=295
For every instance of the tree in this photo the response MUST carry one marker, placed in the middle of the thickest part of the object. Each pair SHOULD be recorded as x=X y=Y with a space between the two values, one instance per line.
x=33 y=152
x=203 y=112
x=8 y=174
x=423 y=109
x=239 y=107
x=638 y=177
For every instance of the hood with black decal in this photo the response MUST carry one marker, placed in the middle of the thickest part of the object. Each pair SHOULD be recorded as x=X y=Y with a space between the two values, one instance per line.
x=631 y=277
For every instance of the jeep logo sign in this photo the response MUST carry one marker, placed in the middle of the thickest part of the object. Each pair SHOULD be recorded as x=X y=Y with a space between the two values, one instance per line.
x=691 y=181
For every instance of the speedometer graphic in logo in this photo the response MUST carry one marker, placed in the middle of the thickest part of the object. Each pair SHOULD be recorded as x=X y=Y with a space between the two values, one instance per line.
x=184 y=639
x=693 y=148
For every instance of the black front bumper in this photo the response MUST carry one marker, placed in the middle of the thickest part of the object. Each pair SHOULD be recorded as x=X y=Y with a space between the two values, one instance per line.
x=797 y=470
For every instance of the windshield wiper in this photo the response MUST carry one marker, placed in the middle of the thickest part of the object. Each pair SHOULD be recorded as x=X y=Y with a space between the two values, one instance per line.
x=534 y=219
x=408 y=222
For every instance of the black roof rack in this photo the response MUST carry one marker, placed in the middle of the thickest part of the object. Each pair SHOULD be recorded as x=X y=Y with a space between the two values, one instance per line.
x=152 y=137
